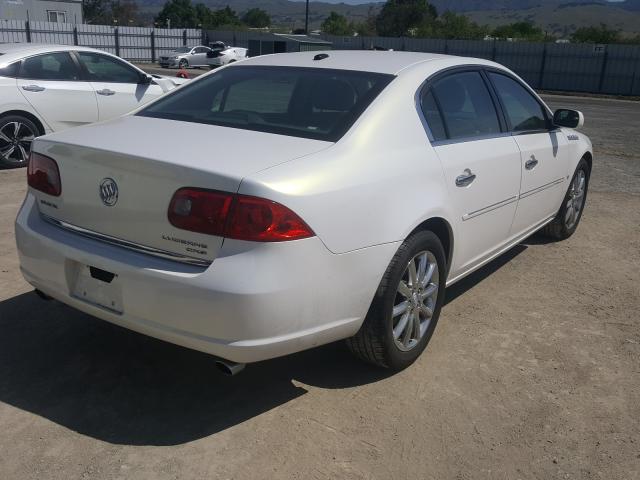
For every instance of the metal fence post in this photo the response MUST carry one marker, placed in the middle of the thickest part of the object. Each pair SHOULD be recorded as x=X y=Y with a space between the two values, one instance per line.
x=542 y=64
x=493 y=51
x=153 y=46
x=117 y=39
x=184 y=37
x=27 y=30
x=604 y=68
x=446 y=46
x=75 y=35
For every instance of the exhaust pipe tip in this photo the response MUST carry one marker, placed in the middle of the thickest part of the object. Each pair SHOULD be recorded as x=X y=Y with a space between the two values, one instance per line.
x=229 y=368
x=43 y=295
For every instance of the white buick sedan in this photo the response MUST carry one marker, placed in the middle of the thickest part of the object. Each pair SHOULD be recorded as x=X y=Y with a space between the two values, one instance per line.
x=47 y=88
x=316 y=197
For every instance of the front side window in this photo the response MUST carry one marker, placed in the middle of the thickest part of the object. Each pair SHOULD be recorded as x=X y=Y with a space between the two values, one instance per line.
x=523 y=111
x=303 y=102
x=50 y=66
x=465 y=105
x=101 y=68
x=201 y=50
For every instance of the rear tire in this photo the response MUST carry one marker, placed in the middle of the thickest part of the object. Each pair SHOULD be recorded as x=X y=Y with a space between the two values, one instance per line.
x=16 y=136
x=566 y=221
x=381 y=340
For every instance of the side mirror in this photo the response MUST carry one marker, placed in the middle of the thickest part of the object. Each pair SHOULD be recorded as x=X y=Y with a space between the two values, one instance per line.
x=568 y=118
x=145 y=79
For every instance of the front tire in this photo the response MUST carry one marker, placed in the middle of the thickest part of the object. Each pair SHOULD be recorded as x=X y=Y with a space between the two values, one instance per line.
x=566 y=221
x=16 y=136
x=183 y=63
x=406 y=307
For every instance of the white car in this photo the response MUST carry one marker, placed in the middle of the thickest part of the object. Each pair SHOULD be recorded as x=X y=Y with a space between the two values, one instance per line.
x=224 y=54
x=185 y=57
x=316 y=197
x=47 y=88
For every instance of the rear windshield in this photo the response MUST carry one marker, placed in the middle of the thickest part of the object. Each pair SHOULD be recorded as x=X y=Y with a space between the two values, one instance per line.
x=302 y=102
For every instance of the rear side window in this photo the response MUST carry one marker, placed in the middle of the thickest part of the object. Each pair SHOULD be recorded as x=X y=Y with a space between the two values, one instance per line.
x=432 y=116
x=523 y=111
x=50 y=66
x=302 y=102
x=10 y=70
x=465 y=105
x=101 y=68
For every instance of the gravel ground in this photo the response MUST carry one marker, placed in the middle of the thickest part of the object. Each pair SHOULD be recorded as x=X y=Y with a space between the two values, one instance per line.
x=533 y=372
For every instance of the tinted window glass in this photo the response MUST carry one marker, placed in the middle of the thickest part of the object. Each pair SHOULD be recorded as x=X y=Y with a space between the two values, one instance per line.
x=522 y=109
x=466 y=105
x=303 y=102
x=51 y=66
x=101 y=68
x=432 y=116
x=10 y=70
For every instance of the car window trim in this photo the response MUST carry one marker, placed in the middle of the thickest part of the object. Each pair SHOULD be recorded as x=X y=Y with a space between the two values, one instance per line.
x=545 y=109
x=439 y=75
x=86 y=74
x=69 y=53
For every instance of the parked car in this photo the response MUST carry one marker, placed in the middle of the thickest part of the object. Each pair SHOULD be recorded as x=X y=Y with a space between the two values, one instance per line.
x=222 y=54
x=345 y=191
x=47 y=88
x=185 y=57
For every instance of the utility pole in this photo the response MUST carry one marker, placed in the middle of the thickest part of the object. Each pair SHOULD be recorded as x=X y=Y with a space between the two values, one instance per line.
x=306 y=19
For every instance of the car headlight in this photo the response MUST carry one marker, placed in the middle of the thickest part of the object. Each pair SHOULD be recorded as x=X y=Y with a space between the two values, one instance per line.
x=176 y=57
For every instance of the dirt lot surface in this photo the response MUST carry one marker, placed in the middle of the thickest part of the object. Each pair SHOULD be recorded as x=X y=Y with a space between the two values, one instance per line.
x=533 y=372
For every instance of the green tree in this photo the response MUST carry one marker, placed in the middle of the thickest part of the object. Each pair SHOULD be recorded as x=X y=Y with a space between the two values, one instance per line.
x=225 y=17
x=519 y=31
x=368 y=27
x=404 y=17
x=256 y=18
x=601 y=34
x=124 y=12
x=178 y=13
x=336 y=24
x=451 y=25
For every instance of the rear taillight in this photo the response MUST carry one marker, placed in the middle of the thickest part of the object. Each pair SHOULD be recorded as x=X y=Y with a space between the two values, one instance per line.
x=235 y=216
x=43 y=174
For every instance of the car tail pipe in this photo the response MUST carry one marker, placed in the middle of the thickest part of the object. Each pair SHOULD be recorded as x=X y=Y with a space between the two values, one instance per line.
x=228 y=367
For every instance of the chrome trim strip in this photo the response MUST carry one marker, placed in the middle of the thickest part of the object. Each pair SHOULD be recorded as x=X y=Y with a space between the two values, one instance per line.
x=502 y=203
x=155 y=252
x=541 y=188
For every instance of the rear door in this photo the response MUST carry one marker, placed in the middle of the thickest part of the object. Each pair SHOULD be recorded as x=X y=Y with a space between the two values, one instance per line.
x=480 y=160
x=52 y=84
x=117 y=84
x=543 y=151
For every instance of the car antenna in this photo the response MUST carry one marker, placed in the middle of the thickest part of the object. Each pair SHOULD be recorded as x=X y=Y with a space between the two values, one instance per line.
x=321 y=56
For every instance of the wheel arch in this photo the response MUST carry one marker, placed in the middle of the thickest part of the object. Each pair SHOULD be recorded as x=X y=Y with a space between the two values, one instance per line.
x=588 y=157
x=28 y=115
x=442 y=229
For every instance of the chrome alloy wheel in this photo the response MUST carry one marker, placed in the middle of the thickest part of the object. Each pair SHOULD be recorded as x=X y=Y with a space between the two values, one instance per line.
x=575 y=202
x=415 y=300
x=15 y=142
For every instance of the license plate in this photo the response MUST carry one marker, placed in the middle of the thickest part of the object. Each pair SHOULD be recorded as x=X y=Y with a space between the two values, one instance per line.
x=97 y=291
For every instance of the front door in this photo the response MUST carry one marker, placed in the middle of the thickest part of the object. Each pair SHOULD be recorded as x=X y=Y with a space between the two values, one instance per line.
x=481 y=165
x=52 y=84
x=543 y=151
x=117 y=85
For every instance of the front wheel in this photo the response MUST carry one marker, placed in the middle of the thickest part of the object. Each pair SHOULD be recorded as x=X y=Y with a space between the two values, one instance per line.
x=406 y=307
x=16 y=135
x=566 y=221
x=183 y=63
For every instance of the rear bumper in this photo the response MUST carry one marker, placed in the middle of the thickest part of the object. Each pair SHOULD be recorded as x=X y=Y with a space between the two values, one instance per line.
x=256 y=301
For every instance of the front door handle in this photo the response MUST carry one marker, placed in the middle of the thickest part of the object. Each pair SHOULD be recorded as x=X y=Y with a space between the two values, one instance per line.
x=106 y=92
x=33 y=88
x=531 y=163
x=466 y=178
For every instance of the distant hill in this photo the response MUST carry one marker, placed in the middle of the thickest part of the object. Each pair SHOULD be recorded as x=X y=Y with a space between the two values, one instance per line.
x=558 y=17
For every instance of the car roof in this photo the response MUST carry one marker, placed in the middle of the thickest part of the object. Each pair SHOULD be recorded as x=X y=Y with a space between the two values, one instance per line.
x=389 y=62
x=15 y=51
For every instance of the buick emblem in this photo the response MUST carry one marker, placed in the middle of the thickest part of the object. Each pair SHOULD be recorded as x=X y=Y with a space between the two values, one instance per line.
x=109 y=191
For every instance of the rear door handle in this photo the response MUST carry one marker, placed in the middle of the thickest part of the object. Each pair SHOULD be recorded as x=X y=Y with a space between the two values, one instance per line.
x=531 y=163
x=466 y=178
x=33 y=88
x=106 y=92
